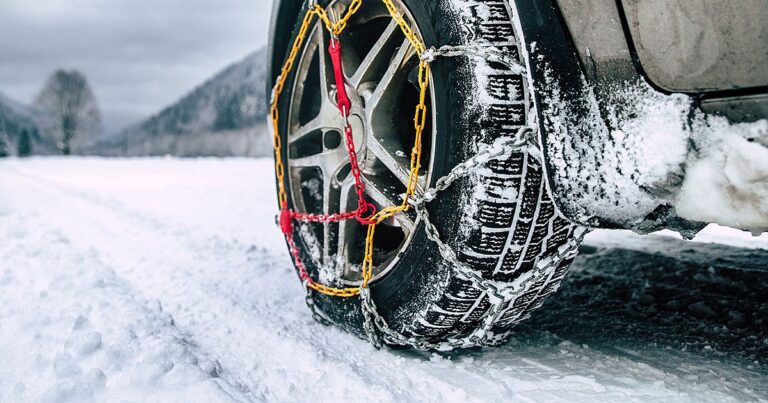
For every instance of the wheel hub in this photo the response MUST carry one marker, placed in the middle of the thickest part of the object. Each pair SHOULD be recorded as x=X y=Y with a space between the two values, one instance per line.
x=379 y=65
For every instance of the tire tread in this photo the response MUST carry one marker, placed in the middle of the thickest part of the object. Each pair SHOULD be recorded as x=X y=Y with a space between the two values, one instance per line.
x=507 y=236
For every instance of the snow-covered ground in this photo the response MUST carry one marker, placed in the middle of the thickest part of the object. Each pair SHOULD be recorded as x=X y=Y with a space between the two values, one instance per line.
x=166 y=280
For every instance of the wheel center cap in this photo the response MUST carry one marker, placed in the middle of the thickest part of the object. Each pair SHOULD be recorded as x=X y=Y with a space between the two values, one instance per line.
x=356 y=119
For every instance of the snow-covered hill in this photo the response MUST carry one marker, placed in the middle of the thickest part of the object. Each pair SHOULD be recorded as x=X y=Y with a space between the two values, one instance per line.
x=225 y=116
x=165 y=280
x=16 y=119
x=15 y=106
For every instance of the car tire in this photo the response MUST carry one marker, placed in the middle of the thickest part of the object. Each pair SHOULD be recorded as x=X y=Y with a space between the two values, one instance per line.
x=500 y=220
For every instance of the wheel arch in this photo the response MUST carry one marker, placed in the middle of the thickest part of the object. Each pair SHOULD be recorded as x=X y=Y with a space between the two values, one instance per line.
x=576 y=76
x=554 y=62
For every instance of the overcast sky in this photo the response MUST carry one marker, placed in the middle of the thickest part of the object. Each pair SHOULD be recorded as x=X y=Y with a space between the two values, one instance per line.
x=138 y=55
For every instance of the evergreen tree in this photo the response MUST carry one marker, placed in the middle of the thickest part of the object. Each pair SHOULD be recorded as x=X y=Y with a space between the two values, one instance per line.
x=3 y=147
x=228 y=113
x=24 y=148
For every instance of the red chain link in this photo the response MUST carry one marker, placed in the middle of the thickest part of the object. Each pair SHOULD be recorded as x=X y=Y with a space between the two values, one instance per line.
x=364 y=210
x=342 y=99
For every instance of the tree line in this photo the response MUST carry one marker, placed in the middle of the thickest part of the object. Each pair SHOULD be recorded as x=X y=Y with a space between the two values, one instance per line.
x=23 y=145
x=66 y=116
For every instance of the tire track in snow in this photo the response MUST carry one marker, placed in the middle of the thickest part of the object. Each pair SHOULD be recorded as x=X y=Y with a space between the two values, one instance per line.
x=60 y=339
x=168 y=276
x=223 y=291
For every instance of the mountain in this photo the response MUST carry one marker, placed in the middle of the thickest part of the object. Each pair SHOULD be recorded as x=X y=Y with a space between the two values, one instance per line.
x=225 y=116
x=14 y=105
x=15 y=120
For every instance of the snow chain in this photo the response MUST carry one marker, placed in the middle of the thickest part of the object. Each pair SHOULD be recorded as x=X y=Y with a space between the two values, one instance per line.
x=375 y=326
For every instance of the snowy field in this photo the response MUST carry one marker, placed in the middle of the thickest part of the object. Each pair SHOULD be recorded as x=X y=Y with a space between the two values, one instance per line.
x=166 y=280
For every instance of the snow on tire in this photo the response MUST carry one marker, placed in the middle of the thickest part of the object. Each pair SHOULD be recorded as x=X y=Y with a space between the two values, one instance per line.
x=500 y=220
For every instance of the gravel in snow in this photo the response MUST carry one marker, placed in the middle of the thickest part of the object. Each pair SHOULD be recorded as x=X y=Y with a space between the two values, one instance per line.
x=166 y=280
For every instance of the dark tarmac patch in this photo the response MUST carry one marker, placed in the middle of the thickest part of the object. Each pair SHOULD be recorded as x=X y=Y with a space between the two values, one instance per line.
x=706 y=299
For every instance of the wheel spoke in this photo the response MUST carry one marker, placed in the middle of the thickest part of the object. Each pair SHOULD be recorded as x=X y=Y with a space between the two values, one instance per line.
x=324 y=122
x=387 y=153
x=327 y=207
x=377 y=83
x=385 y=94
x=330 y=161
x=377 y=57
x=326 y=75
x=346 y=229
x=387 y=196
x=321 y=122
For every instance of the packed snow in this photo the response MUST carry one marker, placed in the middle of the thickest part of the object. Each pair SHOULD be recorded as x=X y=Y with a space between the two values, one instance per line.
x=647 y=149
x=160 y=280
x=727 y=181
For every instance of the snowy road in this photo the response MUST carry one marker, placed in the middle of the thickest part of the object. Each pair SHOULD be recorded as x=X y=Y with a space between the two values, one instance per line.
x=166 y=280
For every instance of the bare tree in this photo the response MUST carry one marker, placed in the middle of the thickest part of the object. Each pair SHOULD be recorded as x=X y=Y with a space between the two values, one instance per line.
x=67 y=112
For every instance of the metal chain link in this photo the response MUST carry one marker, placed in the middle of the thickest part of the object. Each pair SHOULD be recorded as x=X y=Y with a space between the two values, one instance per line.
x=317 y=314
x=375 y=323
x=501 y=148
x=498 y=293
x=485 y=52
x=480 y=336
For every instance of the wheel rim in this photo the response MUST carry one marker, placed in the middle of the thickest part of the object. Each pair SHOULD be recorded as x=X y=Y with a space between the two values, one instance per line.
x=380 y=68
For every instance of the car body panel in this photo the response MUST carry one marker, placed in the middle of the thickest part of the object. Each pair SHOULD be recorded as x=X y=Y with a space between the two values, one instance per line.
x=700 y=45
x=598 y=37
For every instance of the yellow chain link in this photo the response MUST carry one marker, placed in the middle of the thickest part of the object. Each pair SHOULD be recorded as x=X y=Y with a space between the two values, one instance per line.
x=419 y=122
x=274 y=112
x=339 y=26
